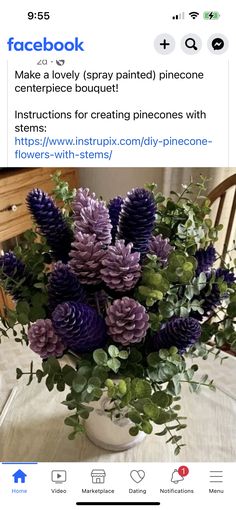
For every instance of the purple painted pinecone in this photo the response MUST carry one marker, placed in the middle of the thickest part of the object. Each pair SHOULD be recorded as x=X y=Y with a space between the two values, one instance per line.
x=43 y=339
x=205 y=258
x=51 y=223
x=179 y=332
x=86 y=256
x=127 y=321
x=95 y=219
x=211 y=295
x=160 y=247
x=63 y=285
x=137 y=219
x=12 y=267
x=121 y=269
x=227 y=275
x=82 y=199
x=114 y=208
x=80 y=327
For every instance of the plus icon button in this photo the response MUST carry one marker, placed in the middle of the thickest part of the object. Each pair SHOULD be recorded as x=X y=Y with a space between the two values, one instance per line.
x=164 y=44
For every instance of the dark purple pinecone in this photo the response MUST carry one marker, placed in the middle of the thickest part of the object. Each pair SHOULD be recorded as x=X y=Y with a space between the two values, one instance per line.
x=137 y=219
x=211 y=295
x=114 y=208
x=12 y=267
x=63 y=285
x=79 y=326
x=179 y=332
x=227 y=275
x=51 y=223
x=205 y=259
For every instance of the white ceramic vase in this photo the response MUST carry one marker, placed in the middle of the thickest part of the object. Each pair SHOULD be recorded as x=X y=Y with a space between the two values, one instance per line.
x=110 y=434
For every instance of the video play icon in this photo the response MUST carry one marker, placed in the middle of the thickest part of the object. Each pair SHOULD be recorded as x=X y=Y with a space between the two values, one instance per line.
x=58 y=476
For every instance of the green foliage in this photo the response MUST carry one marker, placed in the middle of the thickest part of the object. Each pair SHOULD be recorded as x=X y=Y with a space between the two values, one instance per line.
x=184 y=217
x=143 y=386
x=63 y=193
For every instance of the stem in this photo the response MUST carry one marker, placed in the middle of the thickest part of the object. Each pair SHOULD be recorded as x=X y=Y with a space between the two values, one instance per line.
x=194 y=382
x=97 y=303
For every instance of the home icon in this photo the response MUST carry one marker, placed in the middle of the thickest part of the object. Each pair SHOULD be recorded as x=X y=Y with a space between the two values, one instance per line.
x=98 y=476
x=19 y=475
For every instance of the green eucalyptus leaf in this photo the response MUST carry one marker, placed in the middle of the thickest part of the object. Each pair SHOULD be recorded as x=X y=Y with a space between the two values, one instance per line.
x=79 y=383
x=100 y=357
x=141 y=388
x=114 y=364
x=113 y=351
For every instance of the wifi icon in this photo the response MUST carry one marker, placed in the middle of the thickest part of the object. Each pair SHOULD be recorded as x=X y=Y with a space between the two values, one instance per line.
x=194 y=14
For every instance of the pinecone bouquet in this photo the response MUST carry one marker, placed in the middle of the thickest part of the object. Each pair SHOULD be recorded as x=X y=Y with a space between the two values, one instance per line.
x=135 y=288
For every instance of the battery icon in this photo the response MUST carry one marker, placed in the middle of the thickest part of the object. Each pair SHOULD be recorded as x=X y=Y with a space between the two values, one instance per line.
x=211 y=15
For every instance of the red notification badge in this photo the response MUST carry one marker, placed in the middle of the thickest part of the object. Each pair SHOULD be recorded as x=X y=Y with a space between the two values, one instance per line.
x=183 y=470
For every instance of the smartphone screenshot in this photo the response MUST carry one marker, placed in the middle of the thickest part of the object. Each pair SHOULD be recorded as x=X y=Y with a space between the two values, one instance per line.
x=117 y=254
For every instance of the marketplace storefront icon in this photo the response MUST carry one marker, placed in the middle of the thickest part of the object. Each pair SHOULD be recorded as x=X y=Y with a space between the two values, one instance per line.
x=98 y=476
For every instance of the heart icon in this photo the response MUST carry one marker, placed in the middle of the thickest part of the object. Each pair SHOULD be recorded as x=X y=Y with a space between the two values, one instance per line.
x=137 y=476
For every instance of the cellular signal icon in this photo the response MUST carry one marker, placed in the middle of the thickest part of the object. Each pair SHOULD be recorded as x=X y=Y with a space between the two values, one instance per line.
x=178 y=16
x=194 y=14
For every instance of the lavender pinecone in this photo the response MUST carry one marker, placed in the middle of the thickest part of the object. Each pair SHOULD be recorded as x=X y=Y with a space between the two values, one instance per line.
x=114 y=208
x=160 y=247
x=127 y=321
x=179 y=332
x=95 y=219
x=80 y=327
x=12 y=267
x=43 y=339
x=63 y=285
x=51 y=223
x=120 y=268
x=82 y=199
x=205 y=259
x=137 y=219
x=86 y=258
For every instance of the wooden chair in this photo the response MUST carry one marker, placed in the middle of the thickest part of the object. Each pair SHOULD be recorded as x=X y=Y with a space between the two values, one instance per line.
x=220 y=192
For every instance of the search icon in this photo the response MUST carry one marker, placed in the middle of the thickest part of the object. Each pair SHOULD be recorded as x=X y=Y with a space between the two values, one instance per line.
x=191 y=43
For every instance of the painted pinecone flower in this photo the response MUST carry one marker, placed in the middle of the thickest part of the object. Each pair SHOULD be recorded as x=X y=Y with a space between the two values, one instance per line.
x=80 y=327
x=121 y=269
x=63 y=285
x=43 y=339
x=160 y=247
x=86 y=256
x=211 y=295
x=12 y=267
x=127 y=321
x=95 y=219
x=179 y=332
x=137 y=219
x=114 y=208
x=227 y=275
x=82 y=199
x=205 y=259
x=51 y=223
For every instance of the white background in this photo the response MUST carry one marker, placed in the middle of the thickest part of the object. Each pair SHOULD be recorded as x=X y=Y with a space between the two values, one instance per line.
x=120 y=36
